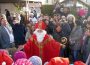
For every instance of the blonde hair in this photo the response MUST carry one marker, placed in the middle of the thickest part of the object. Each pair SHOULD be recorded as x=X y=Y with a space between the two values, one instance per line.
x=74 y=19
x=4 y=16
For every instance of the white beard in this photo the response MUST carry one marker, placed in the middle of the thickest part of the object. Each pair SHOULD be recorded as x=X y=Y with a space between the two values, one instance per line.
x=40 y=36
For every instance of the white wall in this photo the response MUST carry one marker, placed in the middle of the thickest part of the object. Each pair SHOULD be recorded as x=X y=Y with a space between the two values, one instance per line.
x=8 y=6
x=50 y=2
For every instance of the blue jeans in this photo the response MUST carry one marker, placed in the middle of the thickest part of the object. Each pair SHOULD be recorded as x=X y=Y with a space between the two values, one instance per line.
x=75 y=55
x=62 y=52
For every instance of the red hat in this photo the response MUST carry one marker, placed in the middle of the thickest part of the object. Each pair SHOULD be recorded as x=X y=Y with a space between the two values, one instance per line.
x=4 y=57
x=40 y=25
x=59 y=61
x=79 y=63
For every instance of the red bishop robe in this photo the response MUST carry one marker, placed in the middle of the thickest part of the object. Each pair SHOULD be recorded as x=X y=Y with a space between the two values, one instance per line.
x=48 y=49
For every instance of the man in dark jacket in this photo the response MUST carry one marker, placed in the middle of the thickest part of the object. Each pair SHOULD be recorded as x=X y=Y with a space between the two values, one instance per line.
x=19 y=32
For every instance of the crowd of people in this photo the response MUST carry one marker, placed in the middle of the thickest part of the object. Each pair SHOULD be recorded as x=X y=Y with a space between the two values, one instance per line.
x=60 y=39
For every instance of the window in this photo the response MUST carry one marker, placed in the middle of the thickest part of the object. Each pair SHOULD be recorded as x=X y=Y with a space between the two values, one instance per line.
x=46 y=1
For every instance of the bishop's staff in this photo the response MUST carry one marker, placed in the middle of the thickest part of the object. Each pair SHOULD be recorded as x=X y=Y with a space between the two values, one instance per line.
x=64 y=40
